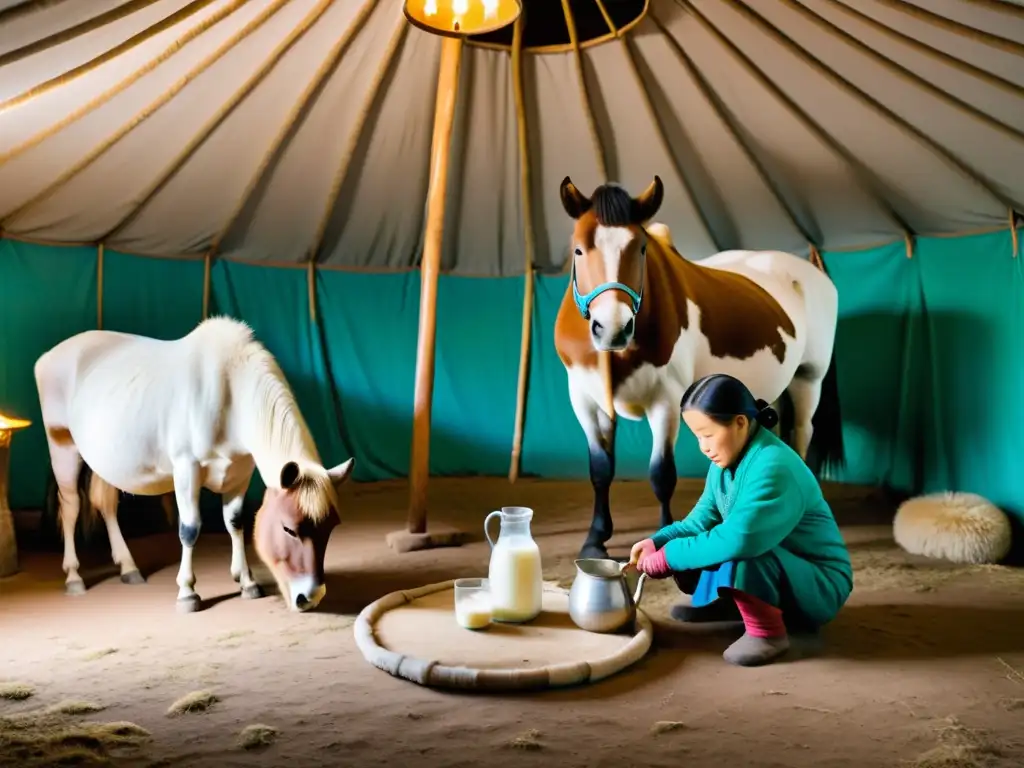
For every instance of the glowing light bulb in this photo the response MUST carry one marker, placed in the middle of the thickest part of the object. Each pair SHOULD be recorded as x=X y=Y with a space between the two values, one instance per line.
x=460 y=7
x=490 y=8
x=430 y=7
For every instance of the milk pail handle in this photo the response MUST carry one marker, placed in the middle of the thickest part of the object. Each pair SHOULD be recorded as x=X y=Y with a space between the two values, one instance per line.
x=487 y=521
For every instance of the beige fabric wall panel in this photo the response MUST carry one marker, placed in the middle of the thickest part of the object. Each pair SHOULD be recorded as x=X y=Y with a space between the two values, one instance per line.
x=1004 y=101
x=31 y=71
x=808 y=172
x=741 y=207
x=957 y=39
x=19 y=28
x=103 y=193
x=560 y=145
x=378 y=219
x=205 y=193
x=30 y=173
x=282 y=130
x=483 y=231
x=281 y=217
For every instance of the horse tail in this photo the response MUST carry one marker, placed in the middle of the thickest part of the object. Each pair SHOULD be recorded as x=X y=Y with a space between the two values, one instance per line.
x=826 y=451
x=102 y=497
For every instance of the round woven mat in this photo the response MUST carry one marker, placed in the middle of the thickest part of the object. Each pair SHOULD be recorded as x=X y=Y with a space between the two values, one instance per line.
x=413 y=634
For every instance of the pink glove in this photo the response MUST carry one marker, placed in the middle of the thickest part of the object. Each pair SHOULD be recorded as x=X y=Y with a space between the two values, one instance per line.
x=655 y=565
x=641 y=550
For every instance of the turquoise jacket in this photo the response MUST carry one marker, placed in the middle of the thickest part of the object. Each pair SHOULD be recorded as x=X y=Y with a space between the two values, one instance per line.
x=771 y=504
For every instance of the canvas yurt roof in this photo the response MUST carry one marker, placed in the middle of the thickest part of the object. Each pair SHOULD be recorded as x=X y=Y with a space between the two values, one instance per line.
x=276 y=131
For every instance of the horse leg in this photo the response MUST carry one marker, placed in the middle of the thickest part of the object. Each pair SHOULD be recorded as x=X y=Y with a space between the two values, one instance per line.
x=663 y=418
x=105 y=497
x=67 y=463
x=119 y=549
x=600 y=432
x=805 y=392
x=239 y=564
x=186 y=493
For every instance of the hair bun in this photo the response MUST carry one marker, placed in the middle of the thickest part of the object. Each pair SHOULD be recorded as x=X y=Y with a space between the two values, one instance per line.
x=766 y=415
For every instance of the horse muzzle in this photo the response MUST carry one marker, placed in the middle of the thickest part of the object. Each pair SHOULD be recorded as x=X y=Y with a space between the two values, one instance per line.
x=305 y=593
x=612 y=339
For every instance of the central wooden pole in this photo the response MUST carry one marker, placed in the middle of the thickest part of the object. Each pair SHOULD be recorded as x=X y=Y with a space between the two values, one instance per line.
x=415 y=536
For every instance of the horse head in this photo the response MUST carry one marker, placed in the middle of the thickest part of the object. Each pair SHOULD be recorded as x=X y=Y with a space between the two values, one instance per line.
x=293 y=526
x=609 y=257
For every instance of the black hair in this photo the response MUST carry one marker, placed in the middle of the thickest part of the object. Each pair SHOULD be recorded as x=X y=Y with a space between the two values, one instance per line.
x=722 y=398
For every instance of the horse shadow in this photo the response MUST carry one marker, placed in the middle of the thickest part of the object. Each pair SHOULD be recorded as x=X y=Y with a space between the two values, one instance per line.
x=904 y=380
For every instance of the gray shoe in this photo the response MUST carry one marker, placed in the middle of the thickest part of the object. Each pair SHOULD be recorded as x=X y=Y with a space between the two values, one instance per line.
x=751 y=651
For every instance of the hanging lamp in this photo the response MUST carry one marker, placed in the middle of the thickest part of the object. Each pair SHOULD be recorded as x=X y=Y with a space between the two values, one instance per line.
x=456 y=18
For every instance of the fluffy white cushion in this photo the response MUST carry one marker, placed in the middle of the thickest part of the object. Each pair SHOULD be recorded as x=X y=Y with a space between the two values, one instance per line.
x=959 y=527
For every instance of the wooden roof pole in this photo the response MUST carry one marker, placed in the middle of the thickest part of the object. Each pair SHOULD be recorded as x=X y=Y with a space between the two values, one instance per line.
x=415 y=536
x=528 y=273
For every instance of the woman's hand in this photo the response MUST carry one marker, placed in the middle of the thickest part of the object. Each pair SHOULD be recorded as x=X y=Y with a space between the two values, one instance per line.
x=655 y=565
x=641 y=550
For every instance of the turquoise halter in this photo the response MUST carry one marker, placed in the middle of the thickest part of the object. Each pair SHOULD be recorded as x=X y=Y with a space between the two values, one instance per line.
x=583 y=302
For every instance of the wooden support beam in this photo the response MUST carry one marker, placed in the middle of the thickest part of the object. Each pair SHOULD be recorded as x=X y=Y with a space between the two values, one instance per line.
x=528 y=244
x=415 y=536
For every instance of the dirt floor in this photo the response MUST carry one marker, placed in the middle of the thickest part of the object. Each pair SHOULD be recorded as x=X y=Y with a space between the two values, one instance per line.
x=925 y=665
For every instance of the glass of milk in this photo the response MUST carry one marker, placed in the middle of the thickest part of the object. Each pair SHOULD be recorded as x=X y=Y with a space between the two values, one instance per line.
x=473 y=603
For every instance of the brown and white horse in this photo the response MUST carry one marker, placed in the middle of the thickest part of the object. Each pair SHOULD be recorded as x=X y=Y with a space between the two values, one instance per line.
x=152 y=417
x=766 y=317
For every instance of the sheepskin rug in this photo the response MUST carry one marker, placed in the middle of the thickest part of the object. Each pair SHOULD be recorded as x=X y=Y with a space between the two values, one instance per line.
x=959 y=527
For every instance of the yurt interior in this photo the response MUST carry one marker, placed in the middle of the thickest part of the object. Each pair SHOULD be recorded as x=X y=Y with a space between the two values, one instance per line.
x=346 y=352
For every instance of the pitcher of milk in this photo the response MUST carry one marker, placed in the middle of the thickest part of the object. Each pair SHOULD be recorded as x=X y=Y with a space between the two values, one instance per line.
x=515 y=569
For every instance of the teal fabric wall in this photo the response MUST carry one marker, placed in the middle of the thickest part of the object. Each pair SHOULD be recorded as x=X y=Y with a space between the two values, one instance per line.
x=931 y=366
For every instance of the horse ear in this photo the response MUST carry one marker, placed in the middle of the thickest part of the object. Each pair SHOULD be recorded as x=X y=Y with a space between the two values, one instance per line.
x=290 y=474
x=649 y=201
x=340 y=473
x=574 y=202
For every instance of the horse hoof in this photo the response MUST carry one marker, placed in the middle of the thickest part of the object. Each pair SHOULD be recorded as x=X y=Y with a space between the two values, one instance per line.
x=75 y=587
x=188 y=604
x=252 y=592
x=133 y=577
x=595 y=551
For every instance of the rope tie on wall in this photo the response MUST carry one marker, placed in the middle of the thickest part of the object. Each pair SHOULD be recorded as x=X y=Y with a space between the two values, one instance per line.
x=1014 y=239
x=815 y=257
x=311 y=288
x=99 y=287
x=207 y=265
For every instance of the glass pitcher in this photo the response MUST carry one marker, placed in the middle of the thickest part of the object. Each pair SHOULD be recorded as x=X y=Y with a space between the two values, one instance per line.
x=515 y=567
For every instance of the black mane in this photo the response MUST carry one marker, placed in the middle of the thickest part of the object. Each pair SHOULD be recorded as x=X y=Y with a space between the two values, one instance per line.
x=613 y=206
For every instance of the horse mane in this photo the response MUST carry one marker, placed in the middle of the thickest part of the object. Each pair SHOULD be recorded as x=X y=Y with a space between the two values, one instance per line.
x=613 y=205
x=314 y=486
x=273 y=422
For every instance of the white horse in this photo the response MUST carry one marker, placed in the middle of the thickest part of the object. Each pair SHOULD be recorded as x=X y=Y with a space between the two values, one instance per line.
x=766 y=317
x=152 y=417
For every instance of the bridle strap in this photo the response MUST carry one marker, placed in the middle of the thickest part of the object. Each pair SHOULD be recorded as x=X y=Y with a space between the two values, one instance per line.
x=583 y=302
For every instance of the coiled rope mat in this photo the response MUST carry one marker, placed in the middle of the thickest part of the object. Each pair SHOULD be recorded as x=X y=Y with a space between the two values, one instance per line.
x=413 y=634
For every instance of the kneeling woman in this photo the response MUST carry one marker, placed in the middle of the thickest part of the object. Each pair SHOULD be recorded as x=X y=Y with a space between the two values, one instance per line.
x=761 y=536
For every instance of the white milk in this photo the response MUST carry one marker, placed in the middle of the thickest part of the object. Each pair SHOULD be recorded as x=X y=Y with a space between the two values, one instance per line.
x=473 y=611
x=515 y=579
